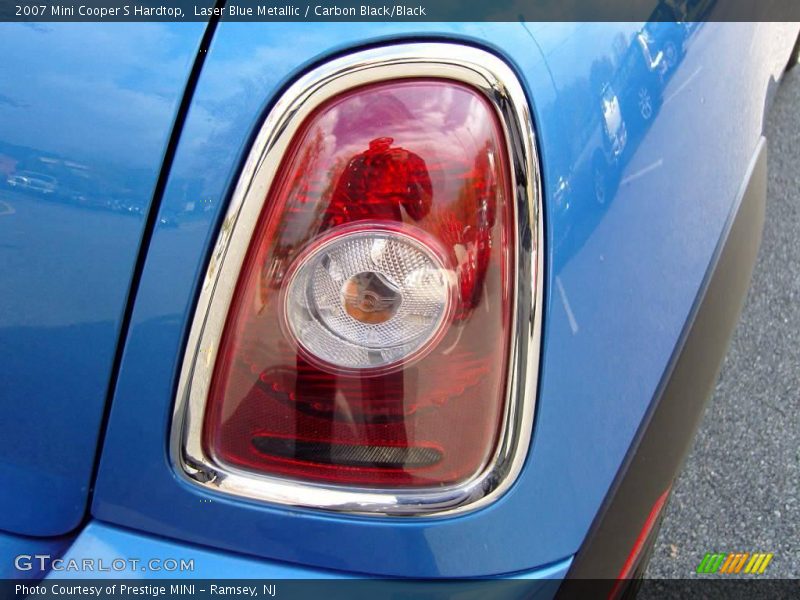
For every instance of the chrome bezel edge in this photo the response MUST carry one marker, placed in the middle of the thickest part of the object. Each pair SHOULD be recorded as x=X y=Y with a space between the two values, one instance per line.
x=491 y=76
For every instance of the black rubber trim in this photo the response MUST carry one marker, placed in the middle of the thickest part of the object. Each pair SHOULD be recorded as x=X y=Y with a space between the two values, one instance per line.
x=665 y=436
x=794 y=57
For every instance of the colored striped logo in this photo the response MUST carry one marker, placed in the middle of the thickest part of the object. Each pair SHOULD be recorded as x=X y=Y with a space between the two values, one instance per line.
x=735 y=562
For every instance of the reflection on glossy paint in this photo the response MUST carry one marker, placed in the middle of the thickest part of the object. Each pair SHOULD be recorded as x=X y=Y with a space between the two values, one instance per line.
x=85 y=113
x=625 y=91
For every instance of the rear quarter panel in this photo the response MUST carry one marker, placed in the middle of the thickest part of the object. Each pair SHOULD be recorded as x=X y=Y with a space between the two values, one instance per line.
x=85 y=113
x=620 y=280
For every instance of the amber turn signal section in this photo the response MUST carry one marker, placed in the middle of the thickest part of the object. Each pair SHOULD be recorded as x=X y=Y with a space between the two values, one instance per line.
x=366 y=344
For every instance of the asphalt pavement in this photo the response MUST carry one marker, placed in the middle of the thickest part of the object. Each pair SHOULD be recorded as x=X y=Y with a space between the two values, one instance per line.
x=740 y=488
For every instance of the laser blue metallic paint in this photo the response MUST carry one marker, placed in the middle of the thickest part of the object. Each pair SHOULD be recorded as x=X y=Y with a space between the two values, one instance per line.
x=645 y=134
x=13 y=546
x=103 y=542
x=100 y=541
x=85 y=113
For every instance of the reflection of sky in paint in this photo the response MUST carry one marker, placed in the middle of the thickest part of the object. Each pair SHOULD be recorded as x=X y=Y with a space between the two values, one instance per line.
x=88 y=108
x=93 y=92
x=556 y=43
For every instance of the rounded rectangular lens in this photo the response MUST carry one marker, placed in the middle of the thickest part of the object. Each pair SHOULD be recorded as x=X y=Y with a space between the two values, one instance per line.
x=366 y=343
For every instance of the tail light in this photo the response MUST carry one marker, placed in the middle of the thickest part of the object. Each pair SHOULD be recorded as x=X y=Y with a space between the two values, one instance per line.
x=365 y=338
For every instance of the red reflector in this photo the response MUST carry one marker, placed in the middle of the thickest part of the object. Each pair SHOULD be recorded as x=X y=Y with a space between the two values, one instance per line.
x=636 y=552
x=366 y=342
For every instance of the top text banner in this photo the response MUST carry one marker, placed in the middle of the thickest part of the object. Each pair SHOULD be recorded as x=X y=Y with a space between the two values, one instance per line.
x=399 y=10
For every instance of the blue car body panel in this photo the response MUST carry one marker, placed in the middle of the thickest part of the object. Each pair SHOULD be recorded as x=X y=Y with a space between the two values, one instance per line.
x=12 y=546
x=101 y=542
x=85 y=113
x=623 y=272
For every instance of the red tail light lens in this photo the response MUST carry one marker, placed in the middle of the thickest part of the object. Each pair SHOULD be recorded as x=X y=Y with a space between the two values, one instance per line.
x=366 y=335
x=367 y=340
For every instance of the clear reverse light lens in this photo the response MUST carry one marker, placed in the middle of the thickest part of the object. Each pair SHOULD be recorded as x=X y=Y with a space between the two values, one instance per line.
x=368 y=298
